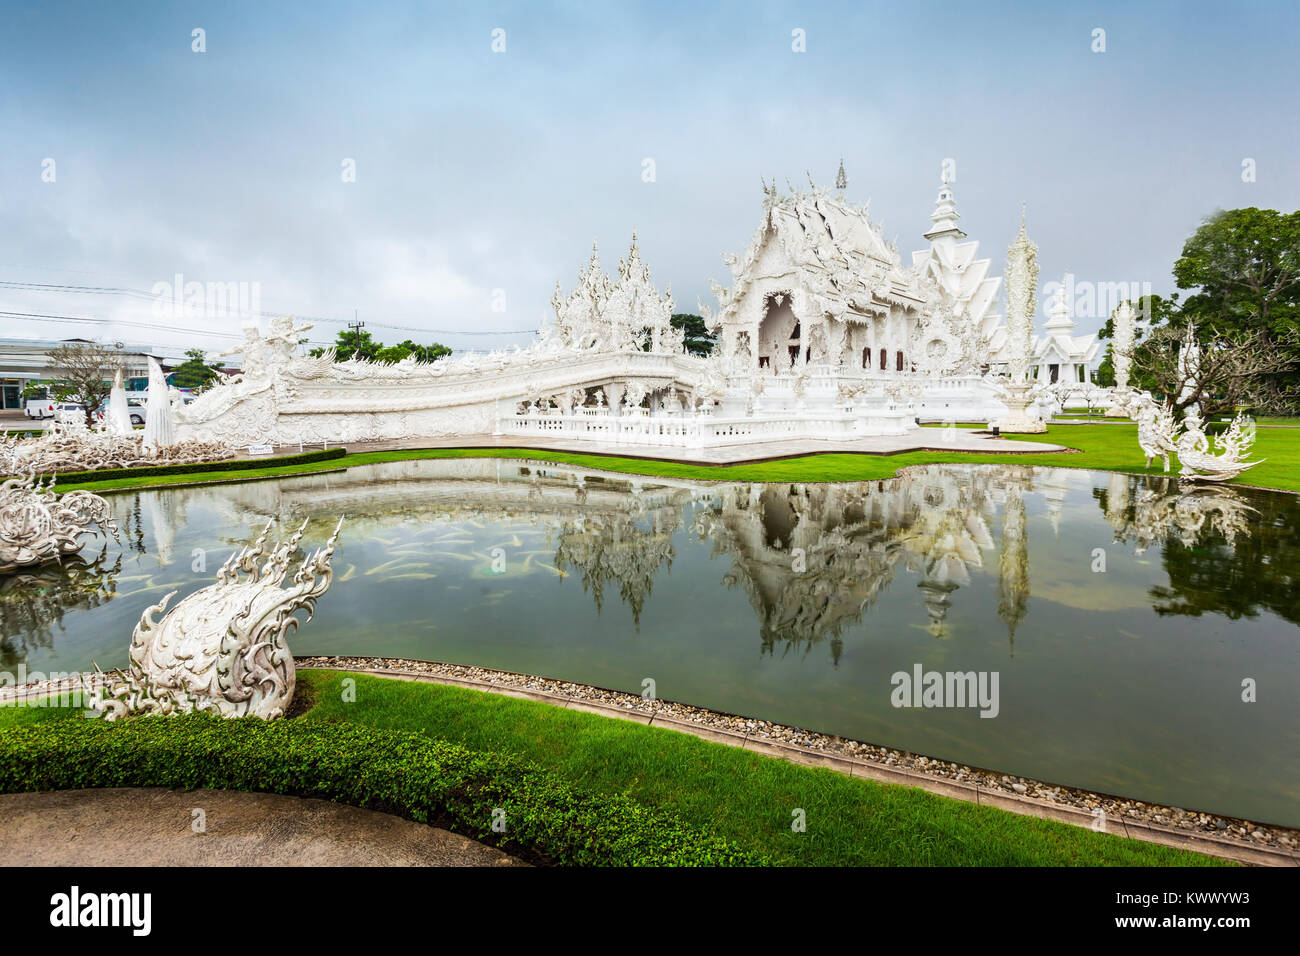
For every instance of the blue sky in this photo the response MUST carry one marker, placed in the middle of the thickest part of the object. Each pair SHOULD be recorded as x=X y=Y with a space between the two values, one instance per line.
x=479 y=171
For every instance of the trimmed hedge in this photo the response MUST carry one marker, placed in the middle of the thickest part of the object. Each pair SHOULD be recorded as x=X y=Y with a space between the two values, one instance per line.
x=422 y=778
x=241 y=464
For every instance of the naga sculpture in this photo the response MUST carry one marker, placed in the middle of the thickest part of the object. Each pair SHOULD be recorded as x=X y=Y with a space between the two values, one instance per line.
x=223 y=649
x=1159 y=435
x=1157 y=430
x=38 y=526
x=1201 y=464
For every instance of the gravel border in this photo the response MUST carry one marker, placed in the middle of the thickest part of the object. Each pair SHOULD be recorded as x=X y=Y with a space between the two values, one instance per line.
x=1132 y=814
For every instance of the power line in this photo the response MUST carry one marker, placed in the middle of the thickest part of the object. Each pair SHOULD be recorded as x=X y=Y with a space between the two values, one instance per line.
x=149 y=296
x=94 y=320
x=91 y=320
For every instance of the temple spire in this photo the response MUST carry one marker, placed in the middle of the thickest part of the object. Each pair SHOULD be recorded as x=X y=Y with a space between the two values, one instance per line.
x=945 y=215
x=1062 y=316
x=841 y=180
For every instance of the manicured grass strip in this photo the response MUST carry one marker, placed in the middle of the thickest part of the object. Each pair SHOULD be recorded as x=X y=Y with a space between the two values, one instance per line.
x=22 y=713
x=166 y=471
x=742 y=797
x=547 y=820
x=1100 y=447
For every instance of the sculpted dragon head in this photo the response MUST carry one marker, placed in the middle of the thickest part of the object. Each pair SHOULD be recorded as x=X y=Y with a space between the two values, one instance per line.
x=223 y=649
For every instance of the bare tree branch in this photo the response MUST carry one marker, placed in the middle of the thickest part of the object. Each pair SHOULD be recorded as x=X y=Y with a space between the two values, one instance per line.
x=84 y=371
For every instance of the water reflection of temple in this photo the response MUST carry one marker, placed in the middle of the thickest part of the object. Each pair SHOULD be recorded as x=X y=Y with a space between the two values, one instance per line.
x=34 y=601
x=812 y=559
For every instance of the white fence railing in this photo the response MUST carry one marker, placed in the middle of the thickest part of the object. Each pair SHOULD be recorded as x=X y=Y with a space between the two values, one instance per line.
x=696 y=430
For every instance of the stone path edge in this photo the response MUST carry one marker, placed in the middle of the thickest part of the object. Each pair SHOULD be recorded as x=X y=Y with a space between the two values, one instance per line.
x=1234 y=850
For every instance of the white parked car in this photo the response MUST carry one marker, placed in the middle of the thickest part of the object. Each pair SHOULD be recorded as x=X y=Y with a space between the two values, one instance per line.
x=73 y=412
x=39 y=408
x=137 y=408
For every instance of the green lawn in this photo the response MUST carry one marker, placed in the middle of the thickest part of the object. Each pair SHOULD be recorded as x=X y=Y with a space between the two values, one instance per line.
x=1104 y=447
x=740 y=796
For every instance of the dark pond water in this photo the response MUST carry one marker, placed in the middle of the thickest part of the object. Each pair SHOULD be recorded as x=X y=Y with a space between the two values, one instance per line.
x=793 y=603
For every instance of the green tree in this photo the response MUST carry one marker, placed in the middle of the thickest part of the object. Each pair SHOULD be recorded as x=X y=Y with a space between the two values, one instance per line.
x=82 y=373
x=194 y=372
x=353 y=342
x=699 y=340
x=1244 y=268
x=425 y=353
x=1152 y=311
x=349 y=343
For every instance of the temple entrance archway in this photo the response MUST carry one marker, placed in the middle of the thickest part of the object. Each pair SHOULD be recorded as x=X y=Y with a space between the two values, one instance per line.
x=779 y=333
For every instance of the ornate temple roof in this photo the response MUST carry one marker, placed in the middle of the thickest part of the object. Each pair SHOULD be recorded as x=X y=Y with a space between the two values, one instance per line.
x=840 y=258
x=1060 y=344
x=962 y=279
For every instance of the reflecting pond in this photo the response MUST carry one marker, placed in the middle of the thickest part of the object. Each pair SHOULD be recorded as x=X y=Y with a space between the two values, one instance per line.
x=1119 y=616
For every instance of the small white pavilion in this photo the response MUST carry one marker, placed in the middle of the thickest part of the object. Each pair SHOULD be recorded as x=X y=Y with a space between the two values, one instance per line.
x=1060 y=355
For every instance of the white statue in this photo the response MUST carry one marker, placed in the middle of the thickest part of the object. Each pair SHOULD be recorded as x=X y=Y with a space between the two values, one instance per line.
x=1159 y=434
x=1123 y=321
x=1157 y=430
x=1022 y=285
x=37 y=526
x=223 y=648
x=1201 y=464
x=159 y=427
x=119 y=415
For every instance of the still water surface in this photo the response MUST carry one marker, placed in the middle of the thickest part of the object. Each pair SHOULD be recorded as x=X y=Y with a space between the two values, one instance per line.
x=792 y=603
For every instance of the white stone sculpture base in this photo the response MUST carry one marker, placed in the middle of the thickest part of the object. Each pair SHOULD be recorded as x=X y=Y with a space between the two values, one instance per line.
x=1017 y=421
x=1120 y=408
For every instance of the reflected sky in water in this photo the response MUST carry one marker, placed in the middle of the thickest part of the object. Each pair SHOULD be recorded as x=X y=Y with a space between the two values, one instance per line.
x=794 y=603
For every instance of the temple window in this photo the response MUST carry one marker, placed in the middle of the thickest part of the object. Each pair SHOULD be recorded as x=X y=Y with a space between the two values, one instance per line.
x=898 y=360
x=884 y=359
x=866 y=358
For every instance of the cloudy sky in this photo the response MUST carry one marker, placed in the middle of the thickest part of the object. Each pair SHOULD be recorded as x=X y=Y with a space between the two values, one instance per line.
x=482 y=177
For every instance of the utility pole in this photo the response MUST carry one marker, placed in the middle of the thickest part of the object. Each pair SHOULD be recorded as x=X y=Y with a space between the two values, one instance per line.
x=356 y=326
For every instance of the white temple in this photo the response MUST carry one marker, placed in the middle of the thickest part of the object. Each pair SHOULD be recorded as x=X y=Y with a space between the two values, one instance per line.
x=1060 y=355
x=824 y=334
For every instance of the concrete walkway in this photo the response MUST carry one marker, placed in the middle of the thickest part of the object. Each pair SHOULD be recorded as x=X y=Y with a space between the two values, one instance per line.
x=156 y=827
x=920 y=439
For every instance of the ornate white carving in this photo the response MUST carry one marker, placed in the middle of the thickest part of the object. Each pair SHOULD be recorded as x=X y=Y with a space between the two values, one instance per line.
x=223 y=649
x=118 y=420
x=1157 y=430
x=1022 y=285
x=70 y=446
x=820 y=304
x=1200 y=464
x=1159 y=435
x=159 y=427
x=37 y=526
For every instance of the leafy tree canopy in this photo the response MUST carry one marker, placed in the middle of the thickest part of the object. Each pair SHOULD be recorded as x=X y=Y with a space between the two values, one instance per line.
x=1243 y=266
x=194 y=372
x=362 y=344
x=699 y=340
